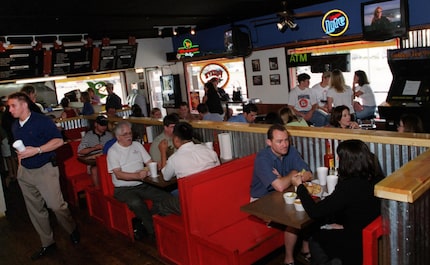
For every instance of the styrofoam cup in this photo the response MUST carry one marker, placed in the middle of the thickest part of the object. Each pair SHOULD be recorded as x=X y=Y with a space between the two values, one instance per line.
x=298 y=205
x=322 y=173
x=19 y=145
x=289 y=197
x=153 y=169
x=331 y=183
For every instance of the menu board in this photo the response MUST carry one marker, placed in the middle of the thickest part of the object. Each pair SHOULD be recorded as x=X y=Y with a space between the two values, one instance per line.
x=119 y=56
x=71 y=60
x=21 y=63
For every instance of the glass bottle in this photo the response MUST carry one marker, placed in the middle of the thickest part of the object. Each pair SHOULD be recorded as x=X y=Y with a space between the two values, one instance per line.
x=328 y=157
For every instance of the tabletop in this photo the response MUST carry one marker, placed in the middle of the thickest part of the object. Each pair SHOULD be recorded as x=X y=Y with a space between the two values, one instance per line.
x=272 y=207
x=88 y=160
x=159 y=181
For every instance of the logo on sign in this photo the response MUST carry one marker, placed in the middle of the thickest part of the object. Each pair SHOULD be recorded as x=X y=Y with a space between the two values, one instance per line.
x=212 y=70
x=335 y=23
x=188 y=49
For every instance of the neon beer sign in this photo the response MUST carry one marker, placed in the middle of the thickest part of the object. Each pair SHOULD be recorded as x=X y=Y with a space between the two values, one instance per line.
x=335 y=22
x=188 y=49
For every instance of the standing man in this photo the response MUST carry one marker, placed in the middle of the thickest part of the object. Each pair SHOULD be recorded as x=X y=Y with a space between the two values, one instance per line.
x=113 y=101
x=273 y=169
x=93 y=143
x=303 y=103
x=38 y=174
x=126 y=159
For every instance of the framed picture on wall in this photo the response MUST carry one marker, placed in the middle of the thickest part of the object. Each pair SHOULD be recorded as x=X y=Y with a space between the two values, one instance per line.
x=256 y=65
x=273 y=63
x=257 y=80
x=275 y=79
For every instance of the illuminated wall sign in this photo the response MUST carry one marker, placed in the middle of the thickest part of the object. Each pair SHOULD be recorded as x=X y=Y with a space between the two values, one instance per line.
x=335 y=22
x=188 y=49
x=298 y=59
x=215 y=70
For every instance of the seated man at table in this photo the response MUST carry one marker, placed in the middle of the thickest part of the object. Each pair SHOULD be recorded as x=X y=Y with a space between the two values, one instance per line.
x=247 y=116
x=189 y=158
x=273 y=169
x=126 y=159
x=169 y=122
x=92 y=143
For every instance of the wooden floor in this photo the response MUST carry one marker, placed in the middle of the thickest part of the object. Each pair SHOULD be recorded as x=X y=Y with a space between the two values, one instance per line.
x=19 y=240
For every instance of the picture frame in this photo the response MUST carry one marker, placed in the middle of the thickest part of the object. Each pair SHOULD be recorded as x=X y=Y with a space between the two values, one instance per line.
x=256 y=65
x=273 y=63
x=257 y=80
x=275 y=79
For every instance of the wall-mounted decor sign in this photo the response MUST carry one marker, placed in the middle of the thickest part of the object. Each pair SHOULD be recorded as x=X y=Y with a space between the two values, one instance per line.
x=335 y=22
x=188 y=49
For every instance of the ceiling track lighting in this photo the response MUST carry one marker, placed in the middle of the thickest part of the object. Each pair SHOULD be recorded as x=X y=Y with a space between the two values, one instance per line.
x=287 y=23
x=176 y=29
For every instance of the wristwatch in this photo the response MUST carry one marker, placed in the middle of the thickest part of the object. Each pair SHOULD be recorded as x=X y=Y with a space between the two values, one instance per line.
x=40 y=150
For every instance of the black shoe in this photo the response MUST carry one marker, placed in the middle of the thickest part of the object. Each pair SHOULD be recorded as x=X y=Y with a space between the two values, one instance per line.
x=75 y=237
x=44 y=251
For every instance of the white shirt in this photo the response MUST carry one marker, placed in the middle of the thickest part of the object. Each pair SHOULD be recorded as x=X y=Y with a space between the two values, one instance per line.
x=344 y=98
x=129 y=159
x=367 y=98
x=190 y=158
x=320 y=93
x=302 y=99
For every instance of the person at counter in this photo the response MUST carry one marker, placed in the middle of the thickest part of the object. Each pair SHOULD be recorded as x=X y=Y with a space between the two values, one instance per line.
x=68 y=112
x=352 y=205
x=410 y=123
x=126 y=159
x=247 y=116
x=205 y=115
x=113 y=101
x=92 y=144
x=212 y=98
x=95 y=99
x=189 y=158
x=339 y=93
x=341 y=118
x=156 y=113
x=273 y=169
x=290 y=119
x=185 y=113
x=88 y=108
x=303 y=102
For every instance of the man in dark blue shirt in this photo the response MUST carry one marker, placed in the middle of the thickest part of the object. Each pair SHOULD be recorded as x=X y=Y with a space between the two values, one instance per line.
x=38 y=174
x=273 y=169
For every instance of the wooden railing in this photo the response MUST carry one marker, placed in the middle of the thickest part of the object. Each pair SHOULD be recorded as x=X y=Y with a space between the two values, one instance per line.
x=405 y=192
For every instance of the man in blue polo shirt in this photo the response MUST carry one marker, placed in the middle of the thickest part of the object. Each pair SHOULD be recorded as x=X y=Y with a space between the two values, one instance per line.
x=273 y=168
x=38 y=174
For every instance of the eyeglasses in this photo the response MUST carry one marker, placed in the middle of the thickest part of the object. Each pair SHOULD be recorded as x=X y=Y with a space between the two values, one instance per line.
x=126 y=134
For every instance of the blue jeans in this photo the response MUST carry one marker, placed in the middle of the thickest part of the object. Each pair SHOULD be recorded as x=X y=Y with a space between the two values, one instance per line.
x=366 y=112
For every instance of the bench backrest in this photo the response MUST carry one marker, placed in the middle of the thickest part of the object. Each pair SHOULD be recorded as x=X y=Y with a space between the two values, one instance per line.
x=67 y=158
x=211 y=199
x=105 y=178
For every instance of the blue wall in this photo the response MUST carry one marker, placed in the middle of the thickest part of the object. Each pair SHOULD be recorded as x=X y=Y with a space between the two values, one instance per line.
x=211 y=40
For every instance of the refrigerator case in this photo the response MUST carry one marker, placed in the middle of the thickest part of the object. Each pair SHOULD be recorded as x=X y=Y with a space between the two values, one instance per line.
x=171 y=91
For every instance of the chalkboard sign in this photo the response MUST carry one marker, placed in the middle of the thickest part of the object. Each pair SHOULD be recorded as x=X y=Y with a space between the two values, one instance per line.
x=71 y=60
x=21 y=63
x=120 y=56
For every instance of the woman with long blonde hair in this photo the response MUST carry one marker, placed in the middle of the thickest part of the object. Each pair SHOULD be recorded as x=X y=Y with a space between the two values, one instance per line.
x=339 y=93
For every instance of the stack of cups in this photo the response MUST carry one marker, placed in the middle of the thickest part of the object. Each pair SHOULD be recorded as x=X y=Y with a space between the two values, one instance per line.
x=322 y=173
x=331 y=183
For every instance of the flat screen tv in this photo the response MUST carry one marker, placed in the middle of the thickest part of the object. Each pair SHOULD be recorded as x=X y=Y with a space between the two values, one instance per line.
x=384 y=19
x=237 y=42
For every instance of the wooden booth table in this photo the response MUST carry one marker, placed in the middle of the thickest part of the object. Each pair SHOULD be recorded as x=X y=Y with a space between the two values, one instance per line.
x=160 y=182
x=272 y=207
x=88 y=160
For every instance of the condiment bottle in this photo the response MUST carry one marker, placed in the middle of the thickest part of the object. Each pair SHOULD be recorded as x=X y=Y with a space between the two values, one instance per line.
x=328 y=156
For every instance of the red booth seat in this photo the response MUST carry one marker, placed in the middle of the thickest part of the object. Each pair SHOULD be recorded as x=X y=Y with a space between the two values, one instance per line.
x=212 y=229
x=74 y=173
x=371 y=234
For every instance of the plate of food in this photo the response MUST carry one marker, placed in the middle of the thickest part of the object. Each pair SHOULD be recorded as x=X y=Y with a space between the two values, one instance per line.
x=314 y=189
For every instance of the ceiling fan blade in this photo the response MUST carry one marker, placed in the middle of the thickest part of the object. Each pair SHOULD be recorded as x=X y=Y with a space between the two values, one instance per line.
x=308 y=14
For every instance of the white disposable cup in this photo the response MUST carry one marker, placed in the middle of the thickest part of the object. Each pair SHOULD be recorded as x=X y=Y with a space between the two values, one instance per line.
x=322 y=173
x=210 y=145
x=82 y=134
x=19 y=145
x=331 y=183
x=289 y=197
x=153 y=169
x=298 y=205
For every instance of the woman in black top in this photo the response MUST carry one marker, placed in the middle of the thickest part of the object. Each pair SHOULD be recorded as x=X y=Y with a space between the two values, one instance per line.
x=349 y=209
x=212 y=98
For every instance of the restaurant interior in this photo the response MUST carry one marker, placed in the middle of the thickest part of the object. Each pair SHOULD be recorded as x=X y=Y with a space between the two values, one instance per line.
x=256 y=49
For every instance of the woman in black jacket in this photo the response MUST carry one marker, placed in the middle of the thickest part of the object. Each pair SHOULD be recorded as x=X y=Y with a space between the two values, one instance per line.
x=350 y=208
